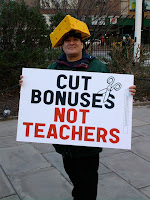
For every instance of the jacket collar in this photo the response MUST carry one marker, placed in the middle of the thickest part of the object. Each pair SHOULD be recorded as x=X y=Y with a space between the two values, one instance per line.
x=83 y=63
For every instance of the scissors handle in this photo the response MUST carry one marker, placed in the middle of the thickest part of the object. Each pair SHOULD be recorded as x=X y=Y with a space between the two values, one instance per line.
x=117 y=86
x=110 y=80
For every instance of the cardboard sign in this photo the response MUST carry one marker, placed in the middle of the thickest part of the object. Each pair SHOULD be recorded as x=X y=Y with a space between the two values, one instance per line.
x=75 y=108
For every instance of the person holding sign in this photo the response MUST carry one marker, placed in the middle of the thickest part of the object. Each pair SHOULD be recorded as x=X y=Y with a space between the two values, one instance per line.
x=81 y=163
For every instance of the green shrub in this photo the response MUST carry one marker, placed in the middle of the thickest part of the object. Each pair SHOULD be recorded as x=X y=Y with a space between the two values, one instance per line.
x=122 y=62
x=24 y=36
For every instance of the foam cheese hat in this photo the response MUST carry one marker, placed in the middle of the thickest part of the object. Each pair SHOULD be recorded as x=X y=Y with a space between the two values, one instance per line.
x=68 y=24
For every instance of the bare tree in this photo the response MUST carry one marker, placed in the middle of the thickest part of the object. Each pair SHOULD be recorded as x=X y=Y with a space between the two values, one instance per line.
x=92 y=12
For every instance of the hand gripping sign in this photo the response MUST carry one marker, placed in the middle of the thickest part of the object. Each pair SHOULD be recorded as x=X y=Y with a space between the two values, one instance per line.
x=75 y=108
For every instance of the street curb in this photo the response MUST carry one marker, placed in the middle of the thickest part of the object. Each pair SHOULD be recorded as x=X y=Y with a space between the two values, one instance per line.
x=8 y=118
x=141 y=103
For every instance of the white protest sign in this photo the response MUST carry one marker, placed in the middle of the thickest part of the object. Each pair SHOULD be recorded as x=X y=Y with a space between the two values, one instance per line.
x=75 y=108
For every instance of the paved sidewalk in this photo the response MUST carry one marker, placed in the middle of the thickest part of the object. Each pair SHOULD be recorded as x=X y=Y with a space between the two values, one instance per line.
x=30 y=171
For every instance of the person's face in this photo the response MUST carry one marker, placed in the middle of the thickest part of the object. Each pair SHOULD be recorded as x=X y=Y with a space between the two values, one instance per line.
x=72 y=47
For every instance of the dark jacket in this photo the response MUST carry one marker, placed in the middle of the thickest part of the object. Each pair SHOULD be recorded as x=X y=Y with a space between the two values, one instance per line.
x=90 y=64
x=87 y=63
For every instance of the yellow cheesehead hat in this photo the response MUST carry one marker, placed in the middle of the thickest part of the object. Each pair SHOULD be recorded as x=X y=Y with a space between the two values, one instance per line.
x=66 y=25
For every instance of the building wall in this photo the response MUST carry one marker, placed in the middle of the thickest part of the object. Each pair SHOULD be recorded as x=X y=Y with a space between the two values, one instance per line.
x=82 y=8
x=31 y=3
x=124 y=7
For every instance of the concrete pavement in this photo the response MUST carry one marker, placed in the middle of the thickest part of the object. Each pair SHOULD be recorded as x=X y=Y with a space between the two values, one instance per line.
x=31 y=171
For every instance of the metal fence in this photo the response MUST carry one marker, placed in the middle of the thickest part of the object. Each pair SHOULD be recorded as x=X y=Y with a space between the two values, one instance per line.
x=103 y=51
x=10 y=96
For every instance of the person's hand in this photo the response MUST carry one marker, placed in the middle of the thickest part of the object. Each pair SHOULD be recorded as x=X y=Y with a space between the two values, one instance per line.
x=21 y=80
x=132 y=90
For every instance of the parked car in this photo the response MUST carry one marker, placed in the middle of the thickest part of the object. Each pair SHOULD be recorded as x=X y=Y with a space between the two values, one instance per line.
x=94 y=42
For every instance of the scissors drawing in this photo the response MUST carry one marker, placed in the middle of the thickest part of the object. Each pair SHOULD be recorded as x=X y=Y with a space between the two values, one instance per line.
x=110 y=87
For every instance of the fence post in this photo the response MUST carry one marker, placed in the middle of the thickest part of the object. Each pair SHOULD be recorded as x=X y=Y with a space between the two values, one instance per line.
x=137 y=35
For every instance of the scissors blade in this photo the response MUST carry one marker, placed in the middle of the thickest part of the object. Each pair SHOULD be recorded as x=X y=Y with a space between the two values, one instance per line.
x=106 y=96
x=102 y=91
